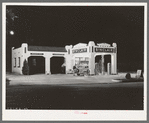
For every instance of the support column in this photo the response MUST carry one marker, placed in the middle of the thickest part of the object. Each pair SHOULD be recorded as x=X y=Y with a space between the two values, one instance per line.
x=113 y=64
x=47 y=66
x=92 y=64
x=109 y=68
x=50 y=65
x=68 y=63
x=91 y=45
x=103 y=68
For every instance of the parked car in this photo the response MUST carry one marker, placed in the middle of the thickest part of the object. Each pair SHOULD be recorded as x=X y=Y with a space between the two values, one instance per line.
x=82 y=69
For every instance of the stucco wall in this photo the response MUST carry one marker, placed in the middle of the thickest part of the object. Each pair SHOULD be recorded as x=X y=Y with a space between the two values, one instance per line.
x=16 y=63
x=23 y=54
x=69 y=56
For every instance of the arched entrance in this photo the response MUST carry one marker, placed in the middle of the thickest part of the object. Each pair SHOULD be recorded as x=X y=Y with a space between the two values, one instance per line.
x=101 y=62
x=97 y=58
x=36 y=64
x=57 y=65
x=98 y=65
x=107 y=59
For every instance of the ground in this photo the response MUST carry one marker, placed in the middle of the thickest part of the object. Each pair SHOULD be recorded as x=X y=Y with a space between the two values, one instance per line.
x=117 y=96
x=73 y=92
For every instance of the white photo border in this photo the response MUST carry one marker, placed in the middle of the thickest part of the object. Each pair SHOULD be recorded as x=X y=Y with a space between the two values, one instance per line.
x=70 y=115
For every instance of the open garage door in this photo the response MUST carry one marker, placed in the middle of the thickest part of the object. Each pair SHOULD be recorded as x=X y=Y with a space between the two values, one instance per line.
x=36 y=64
x=56 y=65
x=98 y=63
x=107 y=59
x=98 y=67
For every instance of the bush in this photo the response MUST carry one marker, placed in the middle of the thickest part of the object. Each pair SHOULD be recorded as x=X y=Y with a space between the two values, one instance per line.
x=7 y=81
x=128 y=76
x=25 y=69
x=98 y=68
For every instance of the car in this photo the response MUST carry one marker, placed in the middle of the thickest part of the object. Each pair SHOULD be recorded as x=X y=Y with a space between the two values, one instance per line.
x=82 y=69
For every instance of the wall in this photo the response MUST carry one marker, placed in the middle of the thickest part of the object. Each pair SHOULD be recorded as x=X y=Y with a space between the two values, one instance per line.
x=91 y=53
x=23 y=53
x=16 y=63
x=69 y=57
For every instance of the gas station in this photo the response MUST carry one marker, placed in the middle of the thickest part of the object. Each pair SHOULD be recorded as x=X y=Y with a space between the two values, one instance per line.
x=41 y=59
x=88 y=52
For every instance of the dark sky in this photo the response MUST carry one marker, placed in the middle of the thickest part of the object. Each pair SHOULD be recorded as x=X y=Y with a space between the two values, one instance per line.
x=60 y=26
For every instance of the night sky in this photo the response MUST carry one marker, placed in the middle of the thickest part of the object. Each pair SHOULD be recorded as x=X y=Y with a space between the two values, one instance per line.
x=60 y=26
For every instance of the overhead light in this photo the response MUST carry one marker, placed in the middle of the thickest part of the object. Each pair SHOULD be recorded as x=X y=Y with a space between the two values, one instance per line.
x=11 y=32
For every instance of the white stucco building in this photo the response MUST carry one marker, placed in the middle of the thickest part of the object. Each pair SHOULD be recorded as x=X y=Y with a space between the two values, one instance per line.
x=71 y=54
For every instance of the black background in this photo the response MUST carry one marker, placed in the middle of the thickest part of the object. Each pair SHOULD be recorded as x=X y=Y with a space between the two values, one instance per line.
x=69 y=25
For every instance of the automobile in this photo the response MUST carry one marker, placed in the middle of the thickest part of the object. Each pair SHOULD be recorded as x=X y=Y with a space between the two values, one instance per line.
x=82 y=69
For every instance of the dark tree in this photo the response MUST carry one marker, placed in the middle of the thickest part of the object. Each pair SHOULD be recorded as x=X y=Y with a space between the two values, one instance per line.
x=128 y=76
x=25 y=68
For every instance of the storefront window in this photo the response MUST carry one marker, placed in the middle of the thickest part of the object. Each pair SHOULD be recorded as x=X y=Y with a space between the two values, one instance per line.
x=34 y=62
x=82 y=61
x=14 y=62
x=77 y=60
x=69 y=51
x=25 y=50
x=18 y=61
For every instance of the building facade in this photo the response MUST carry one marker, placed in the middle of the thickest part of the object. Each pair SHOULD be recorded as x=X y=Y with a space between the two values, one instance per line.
x=39 y=58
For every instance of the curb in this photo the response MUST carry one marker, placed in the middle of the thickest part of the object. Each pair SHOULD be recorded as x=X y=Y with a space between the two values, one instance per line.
x=117 y=80
x=128 y=80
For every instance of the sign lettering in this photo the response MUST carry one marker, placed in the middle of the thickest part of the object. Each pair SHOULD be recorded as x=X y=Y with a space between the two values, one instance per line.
x=111 y=50
x=57 y=54
x=80 y=50
x=36 y=53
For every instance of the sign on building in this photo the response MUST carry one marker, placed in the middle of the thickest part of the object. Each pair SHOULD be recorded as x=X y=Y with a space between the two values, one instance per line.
x=79 y=50
x=111 y=50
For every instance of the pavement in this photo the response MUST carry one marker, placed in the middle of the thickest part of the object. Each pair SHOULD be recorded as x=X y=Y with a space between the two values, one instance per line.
x=15 y=79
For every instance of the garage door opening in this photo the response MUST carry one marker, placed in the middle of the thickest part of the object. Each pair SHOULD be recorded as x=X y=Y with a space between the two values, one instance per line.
x=107 y=59
x=36 y=65
x=56 y=64
x=98 y=65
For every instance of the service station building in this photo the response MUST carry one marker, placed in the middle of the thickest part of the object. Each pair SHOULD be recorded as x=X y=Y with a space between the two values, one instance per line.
x=45 y=59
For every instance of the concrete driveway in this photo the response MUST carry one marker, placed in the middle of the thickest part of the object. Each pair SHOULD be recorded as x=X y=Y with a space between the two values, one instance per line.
x=15 y=79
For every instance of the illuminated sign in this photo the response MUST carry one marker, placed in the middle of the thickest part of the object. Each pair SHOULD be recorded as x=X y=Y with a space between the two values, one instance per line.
x=57 y=54
x=36 y=53
x=79 y=50
x=108 y=50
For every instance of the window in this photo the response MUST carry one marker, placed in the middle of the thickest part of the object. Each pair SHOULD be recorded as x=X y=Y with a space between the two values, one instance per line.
x=82 y=61
x=14 y=62
x=92 y=49
x=25 y=50
x=69 y=51
x=19 y=62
